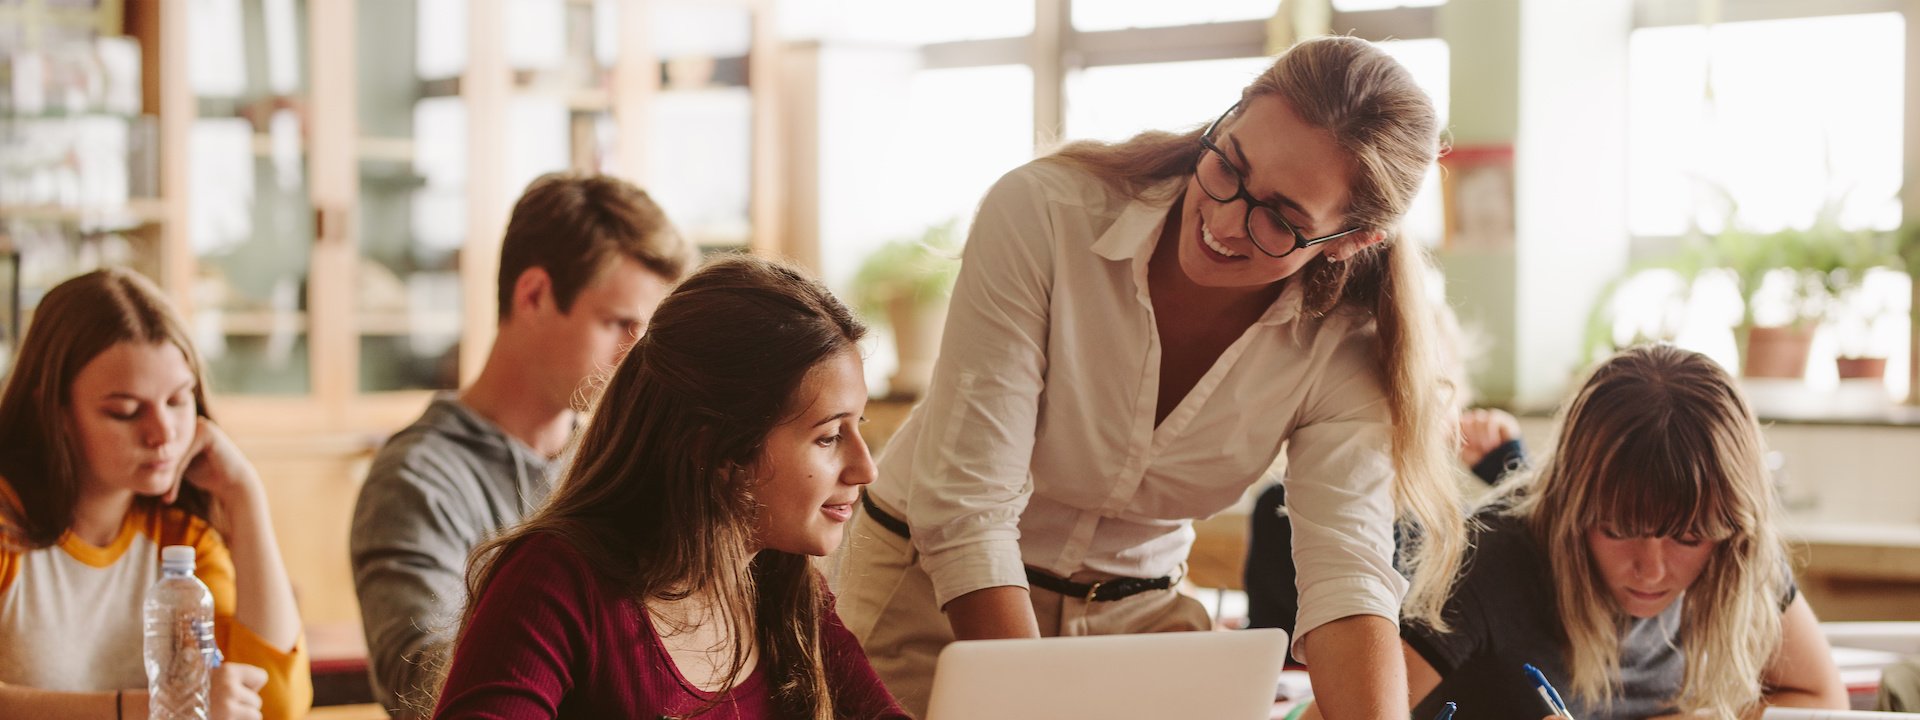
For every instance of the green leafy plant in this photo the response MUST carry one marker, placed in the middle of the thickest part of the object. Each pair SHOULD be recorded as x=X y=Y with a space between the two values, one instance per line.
x=922 y=269
x=1827 y=262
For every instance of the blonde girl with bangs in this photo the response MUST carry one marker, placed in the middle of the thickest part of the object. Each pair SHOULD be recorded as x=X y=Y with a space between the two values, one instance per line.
x=1138 y=332
x=1639 y=566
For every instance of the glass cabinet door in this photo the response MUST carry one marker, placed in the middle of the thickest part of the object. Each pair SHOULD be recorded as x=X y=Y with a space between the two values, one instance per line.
x=251 y=222
x=699 y=147
x=412 y=205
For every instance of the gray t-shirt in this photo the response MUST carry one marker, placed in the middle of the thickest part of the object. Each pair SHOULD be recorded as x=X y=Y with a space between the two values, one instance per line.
x=437 y=489
x=1503 y=618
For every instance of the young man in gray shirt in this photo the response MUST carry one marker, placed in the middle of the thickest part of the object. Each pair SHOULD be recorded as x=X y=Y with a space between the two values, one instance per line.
x=585 y=261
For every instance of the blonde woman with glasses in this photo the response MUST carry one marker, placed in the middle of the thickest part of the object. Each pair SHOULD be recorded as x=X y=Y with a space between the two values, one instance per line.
x=1640 y=568
x=1138 y=331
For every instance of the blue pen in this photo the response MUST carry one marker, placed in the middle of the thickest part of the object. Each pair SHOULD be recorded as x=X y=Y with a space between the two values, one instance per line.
x=1547 y=693
x=1446 y=711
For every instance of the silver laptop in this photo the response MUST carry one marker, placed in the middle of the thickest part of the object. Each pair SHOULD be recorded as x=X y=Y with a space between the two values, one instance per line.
x=1220 y=675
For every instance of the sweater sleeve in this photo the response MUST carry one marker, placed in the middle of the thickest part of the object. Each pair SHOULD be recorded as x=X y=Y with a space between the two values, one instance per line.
x=288 y=693
x=409 y=552
x=857 y=691
x=529 y=634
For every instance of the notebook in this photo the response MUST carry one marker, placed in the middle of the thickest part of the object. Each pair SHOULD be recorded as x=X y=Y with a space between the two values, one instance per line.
x=1220 y=675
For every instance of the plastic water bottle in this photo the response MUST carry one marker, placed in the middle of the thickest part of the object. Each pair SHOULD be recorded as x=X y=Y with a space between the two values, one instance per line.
x=179 y=650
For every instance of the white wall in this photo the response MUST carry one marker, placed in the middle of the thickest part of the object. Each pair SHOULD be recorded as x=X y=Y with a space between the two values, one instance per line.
x=1570 y=182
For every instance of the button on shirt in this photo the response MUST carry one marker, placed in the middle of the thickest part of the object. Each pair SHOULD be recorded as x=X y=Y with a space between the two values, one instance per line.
x=1037 y=445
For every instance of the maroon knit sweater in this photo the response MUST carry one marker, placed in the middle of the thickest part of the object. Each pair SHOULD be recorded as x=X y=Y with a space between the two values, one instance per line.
x=549 y=640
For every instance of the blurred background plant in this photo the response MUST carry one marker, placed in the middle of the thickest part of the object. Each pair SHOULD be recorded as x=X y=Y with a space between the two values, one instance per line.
x=904 y=286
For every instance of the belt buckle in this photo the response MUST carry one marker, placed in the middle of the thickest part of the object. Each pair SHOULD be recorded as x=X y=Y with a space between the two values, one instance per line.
x=1093 y=590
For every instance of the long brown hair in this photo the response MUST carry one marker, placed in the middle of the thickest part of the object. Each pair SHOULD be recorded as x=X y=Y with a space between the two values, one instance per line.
x=659 y=498
x=1659 y=442
x=77 y=321
x=1375 y=112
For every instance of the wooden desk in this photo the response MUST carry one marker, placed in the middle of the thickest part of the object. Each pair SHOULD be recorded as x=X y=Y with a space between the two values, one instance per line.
x=339 y=656
x=1858 y=571
x=368 y=711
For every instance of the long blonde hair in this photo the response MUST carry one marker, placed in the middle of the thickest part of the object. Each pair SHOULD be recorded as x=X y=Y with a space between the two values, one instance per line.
x=1660 y=443
x=1375 y=112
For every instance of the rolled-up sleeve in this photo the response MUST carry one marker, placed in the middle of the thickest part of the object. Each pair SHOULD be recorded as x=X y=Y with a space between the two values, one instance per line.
x=1340 y=495
x=971 y=463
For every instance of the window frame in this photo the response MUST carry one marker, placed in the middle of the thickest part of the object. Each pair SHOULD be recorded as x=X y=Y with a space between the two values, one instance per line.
x=1672 y=13
x=1055 y=49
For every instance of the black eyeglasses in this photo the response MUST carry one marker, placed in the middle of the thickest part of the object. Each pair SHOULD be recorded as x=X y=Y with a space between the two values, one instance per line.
x=1224 y=183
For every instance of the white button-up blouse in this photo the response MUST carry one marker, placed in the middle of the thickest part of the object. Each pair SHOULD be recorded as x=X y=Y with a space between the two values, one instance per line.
x=1036 y=443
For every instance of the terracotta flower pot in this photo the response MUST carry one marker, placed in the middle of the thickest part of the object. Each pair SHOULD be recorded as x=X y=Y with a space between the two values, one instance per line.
x=1777 y=352
x=1870 y=368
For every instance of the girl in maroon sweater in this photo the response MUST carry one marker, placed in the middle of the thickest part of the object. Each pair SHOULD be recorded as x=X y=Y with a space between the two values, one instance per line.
x=669 y=576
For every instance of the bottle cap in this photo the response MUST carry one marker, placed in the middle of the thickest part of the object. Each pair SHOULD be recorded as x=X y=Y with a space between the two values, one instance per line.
x=176 y=557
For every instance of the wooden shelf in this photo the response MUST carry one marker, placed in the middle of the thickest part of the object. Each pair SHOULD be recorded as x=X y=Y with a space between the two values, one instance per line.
x=379 y=324
x=582 y=100
x=397 y=149
x=260 y=322
x=590 y=100
x=391 y=324
x=144 y=211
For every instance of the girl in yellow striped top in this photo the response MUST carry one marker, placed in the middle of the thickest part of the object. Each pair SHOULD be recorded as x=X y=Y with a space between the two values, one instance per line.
x=109 y=456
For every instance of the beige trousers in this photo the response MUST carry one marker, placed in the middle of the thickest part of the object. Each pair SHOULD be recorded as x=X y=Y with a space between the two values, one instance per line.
x=887 y=601
x=1900 y=686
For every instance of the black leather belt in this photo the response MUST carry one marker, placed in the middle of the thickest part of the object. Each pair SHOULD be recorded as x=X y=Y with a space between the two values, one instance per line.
x=1102 y=591
x=886 y=519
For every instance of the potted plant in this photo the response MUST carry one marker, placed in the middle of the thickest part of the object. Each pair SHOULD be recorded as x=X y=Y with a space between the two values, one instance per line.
x=905 y=285
x=1607 y=331
x=1774 y=336
x=1851 y=310
x=1790 y=282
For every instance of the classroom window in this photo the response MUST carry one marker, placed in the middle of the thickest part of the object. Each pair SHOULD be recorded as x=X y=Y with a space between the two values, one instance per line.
x=1430 y=63
x=906 y=22
x=985 y=115
x=1768 y=121
x=897 y=162
x=1116 y=102
x=1120 y=14
x=1366 y=5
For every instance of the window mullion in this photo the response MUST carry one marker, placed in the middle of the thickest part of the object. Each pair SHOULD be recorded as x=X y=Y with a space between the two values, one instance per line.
x=1052 y=38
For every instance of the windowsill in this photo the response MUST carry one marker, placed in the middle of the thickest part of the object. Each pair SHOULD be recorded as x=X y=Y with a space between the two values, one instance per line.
x=1891 y=416
x=1850 y=402
x=1854 y=403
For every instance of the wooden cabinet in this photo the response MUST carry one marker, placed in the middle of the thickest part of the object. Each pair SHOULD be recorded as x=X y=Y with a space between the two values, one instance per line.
x=338 y=174
x=335 y=177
